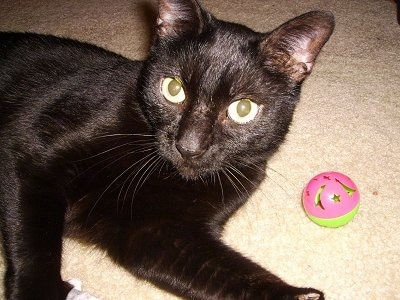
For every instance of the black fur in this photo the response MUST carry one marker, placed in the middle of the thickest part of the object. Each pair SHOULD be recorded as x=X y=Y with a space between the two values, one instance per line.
x=91 y=149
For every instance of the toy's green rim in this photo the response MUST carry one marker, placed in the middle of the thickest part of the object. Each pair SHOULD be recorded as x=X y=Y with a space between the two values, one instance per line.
x=336 y=222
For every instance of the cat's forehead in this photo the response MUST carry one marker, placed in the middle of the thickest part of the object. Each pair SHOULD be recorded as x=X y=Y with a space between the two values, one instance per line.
x=233 y=43
x=224 y=61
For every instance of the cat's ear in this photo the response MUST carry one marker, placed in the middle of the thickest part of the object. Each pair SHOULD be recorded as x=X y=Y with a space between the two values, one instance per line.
x=293 y=47
x=178 y=18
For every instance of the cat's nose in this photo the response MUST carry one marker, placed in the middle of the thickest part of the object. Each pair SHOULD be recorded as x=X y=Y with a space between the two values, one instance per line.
x=189 y=151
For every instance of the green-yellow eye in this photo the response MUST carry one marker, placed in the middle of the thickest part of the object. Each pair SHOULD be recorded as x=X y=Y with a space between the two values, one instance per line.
x=172 y=90
x=242 y=111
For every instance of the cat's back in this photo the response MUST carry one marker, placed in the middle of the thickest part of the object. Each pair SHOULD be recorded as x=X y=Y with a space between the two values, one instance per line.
x=30 y=48
x=41 y=60
x=39 y=73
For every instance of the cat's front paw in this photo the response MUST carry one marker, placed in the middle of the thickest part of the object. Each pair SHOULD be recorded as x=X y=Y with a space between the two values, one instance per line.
x=301 y=294
x=310 y=296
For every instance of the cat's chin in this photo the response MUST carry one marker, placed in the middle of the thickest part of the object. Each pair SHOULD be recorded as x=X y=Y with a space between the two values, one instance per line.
x=193 y=171
x=189 y=173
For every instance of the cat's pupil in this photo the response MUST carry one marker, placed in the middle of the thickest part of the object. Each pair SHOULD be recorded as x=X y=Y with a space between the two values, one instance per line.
x=243 y=107
x=174 y=87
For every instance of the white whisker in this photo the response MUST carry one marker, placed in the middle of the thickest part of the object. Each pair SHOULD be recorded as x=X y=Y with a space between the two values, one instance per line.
x=222 y=189
x=156 y=161
x=125 y=135
x=114 y=148
x=257 y=168
x=121 y=156
x=237 y=179
x=108 y=187
x=240 y=173
x=150 y=163
x=135 y=172
x=237 y=189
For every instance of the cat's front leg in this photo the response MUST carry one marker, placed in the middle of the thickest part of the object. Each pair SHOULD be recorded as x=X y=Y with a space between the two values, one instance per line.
x=196 y=265
x=32 y=221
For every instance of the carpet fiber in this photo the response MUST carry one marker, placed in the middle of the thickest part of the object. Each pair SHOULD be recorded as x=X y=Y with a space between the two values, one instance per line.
x=348 y=120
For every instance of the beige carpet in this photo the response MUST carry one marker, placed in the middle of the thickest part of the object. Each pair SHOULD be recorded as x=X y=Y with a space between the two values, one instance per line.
x=348 y=120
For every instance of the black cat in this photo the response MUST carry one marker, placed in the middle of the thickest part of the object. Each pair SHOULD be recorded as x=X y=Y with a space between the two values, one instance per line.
x=147 y=159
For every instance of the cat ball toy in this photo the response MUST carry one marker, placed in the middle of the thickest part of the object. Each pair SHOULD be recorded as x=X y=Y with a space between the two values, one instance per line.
x=331 y=199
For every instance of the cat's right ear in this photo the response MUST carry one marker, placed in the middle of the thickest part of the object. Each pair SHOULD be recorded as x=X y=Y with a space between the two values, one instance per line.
x=179 y=18
x=293 y=47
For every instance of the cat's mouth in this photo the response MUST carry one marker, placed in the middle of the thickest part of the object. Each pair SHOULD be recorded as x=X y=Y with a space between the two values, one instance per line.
x=189 y=167
x=192 y=169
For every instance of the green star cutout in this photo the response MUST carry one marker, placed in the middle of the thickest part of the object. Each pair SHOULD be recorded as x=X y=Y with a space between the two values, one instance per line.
x=336 y=198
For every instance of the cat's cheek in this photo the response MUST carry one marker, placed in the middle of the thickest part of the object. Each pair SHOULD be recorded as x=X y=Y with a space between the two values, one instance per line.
x=165 y=143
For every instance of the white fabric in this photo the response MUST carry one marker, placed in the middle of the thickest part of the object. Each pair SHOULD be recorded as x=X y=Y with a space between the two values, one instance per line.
x=76 y=293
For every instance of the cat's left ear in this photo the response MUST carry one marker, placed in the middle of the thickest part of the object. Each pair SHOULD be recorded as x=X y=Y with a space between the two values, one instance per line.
x=293 y=47
x=179 y=18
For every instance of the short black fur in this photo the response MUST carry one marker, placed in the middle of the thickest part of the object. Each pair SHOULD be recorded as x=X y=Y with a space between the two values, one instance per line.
x=91 y=149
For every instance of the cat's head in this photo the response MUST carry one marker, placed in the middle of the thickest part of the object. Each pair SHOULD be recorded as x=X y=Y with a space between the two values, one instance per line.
x=218 y=94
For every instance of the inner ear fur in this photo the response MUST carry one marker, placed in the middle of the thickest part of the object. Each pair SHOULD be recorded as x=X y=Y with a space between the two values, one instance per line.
x=293 y=47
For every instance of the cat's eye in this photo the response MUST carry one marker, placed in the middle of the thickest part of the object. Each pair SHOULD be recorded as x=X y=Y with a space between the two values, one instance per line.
x=172 y=90
x=242 y=111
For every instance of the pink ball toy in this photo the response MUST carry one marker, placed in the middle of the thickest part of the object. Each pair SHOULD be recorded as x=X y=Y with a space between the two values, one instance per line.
x=331 y=199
